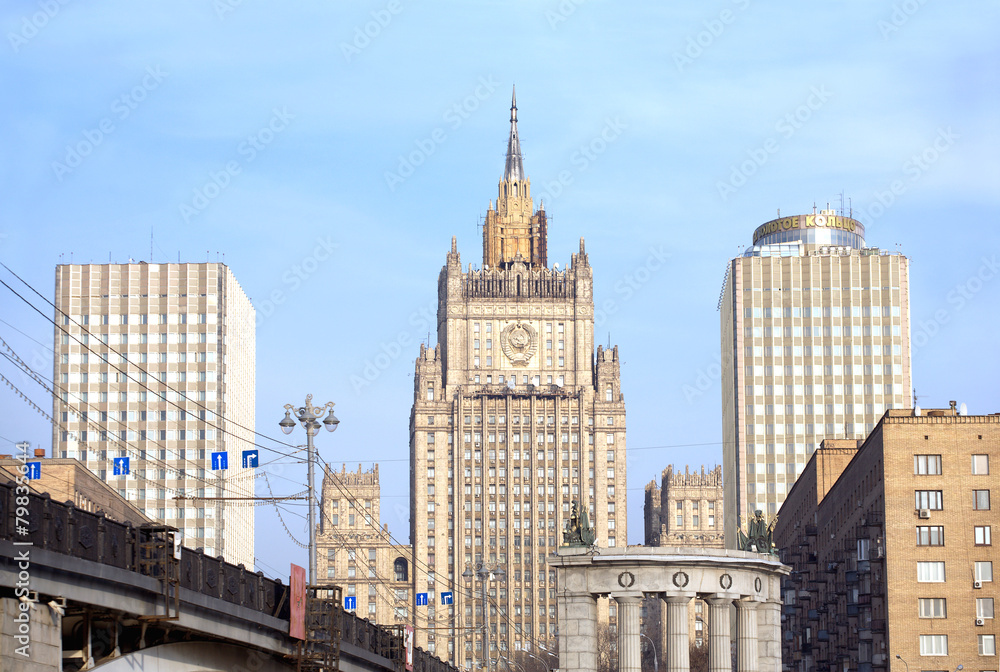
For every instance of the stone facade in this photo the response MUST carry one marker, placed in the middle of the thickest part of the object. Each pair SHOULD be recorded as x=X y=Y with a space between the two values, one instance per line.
x=890 y=541
x=156 y=362
x=749 y=581
x=815 y=345
x=353 y=551
x=684 y=510
x=68 y=480
x=40 y=650
x=514 y=418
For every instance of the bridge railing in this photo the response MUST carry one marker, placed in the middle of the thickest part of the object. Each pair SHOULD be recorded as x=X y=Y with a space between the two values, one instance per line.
x=64 y=528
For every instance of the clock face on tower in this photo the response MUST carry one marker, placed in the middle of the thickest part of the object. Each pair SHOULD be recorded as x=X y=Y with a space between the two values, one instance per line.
x=519 y=341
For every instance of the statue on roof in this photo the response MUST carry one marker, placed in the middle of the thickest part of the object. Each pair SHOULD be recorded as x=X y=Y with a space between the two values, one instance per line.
x=579 y=533
x=759 y=535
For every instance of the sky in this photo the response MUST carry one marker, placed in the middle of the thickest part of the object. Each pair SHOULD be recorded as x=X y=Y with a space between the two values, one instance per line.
x=327 y=152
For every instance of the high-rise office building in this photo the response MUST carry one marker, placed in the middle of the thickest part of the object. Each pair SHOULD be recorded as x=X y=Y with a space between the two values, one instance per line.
x=890 y=540
x=355 y=553
x=155 y=363
x=815 y=345
x=514 y=418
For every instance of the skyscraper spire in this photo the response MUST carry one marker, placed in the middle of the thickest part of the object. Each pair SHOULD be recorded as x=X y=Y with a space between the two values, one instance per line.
x=514 y=170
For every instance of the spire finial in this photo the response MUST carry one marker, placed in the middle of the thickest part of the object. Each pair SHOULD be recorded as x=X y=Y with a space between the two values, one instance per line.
x=454 y=245
x=514 y=169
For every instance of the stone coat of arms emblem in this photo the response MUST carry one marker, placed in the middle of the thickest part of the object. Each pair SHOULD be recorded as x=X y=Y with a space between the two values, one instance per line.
x=519 y=342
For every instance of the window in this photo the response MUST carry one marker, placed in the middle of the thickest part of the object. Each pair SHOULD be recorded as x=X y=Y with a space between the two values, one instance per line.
x=928 y=499
x=930 y=572
x=933 y=645
x=983 y=535
x=930 y=535
x=980 y=464
x=984 y=607
x=932 y=607
x=984 y=570
x=927 y=465
x=981 y=500
x=987 y=645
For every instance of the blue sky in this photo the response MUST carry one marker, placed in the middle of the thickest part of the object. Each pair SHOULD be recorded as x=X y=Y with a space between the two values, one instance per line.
x=650 y=129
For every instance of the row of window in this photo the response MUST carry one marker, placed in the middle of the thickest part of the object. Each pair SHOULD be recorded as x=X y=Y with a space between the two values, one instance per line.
x=817 y=351
x=143 y=318
x=937 y=607
x=932 y=465
x=140 y=397
x=180 y=338
x=800 y=370
x=84 y=436
x=933 y=500
x=937 y=645
x=104 y=377
x=933 y=535
x=821 y=311
x=933 y=571
x=561 y=328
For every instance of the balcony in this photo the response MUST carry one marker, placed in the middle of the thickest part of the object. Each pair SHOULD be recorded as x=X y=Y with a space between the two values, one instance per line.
x=811 y=530
x=878 y=625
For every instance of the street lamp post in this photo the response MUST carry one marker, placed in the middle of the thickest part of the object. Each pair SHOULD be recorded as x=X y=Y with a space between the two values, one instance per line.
x=530 y=655
x=484 y=573
x=899 y=657
x=308 y=416
x=656 y=665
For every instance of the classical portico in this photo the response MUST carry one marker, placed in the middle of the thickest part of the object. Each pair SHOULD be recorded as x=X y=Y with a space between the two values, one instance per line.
x=723 y=578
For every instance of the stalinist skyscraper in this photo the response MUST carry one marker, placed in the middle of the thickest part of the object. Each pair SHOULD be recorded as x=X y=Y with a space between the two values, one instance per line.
x=515 y=417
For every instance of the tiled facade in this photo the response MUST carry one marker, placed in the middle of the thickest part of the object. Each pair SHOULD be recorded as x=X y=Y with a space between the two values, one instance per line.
x=354 y=552
x=514 y=418
x=891 y=545
x=815 y=345
x=155 y=362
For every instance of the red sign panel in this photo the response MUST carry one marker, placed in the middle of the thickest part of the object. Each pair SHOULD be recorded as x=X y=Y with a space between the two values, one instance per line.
x=408 y=629
x=297 y=622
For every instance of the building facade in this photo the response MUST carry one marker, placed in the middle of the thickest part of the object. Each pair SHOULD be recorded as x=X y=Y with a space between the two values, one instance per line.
x=515 y=417
x=684 y=510
x=815 y=345
x=68 y=480
x=354 y=551
x=155 y=363
x=890 y=540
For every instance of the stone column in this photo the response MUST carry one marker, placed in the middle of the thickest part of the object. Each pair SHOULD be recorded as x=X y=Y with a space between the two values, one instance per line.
x=578 y=632
x=629 y=644
x=769 y=636
x=746 y=636
x=678 y=639
x=719 y=648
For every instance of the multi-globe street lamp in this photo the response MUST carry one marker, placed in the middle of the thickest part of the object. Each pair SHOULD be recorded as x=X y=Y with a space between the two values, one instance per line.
x=308 y=416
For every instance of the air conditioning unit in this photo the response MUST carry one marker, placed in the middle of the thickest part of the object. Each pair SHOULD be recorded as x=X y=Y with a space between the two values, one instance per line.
x=980 y=621
x=977 y=584
x=924 y=513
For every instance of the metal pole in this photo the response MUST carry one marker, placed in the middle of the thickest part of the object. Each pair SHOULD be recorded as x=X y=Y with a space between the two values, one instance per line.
x=487 y=635
x=656 y=665
x=312 y=507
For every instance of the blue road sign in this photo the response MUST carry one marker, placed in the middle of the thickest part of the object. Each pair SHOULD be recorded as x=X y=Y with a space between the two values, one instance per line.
x=350 y=603
x=249 y=458
x=121 y=465
x=34 y=470
x=447 y=598
x=220 y=461
x=421 y=599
